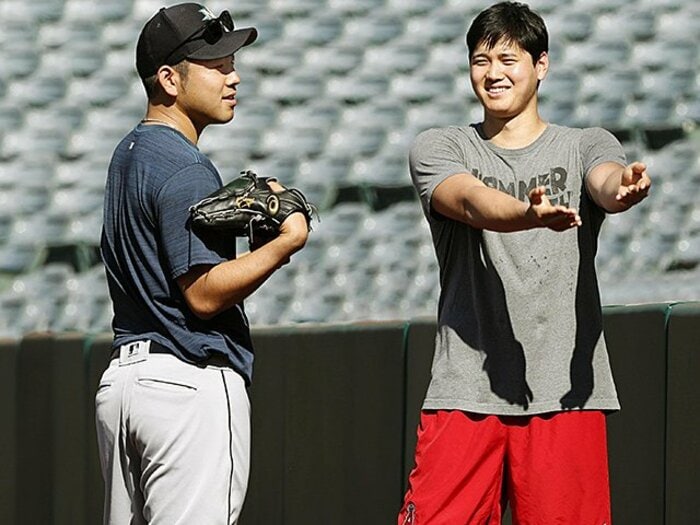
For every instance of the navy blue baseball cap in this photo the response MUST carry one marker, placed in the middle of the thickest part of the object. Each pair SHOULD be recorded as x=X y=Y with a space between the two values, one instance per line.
x=188 y=31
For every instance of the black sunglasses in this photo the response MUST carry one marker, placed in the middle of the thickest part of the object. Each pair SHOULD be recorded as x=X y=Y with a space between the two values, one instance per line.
x=211 y=32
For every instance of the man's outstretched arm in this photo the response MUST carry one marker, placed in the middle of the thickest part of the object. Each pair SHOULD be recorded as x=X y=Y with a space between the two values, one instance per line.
x=617 y=188
x=465 y=198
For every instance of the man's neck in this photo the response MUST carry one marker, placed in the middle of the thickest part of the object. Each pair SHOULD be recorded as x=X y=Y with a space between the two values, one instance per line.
x=169 y=116
x=513 y=133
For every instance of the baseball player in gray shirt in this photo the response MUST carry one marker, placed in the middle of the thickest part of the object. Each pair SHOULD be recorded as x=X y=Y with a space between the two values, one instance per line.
x=515 y=410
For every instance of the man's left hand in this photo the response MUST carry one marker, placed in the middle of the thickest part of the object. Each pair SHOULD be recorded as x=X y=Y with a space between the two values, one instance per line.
x=634 y=185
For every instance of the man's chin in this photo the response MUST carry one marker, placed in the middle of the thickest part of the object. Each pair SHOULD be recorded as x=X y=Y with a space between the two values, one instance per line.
x=223 y=119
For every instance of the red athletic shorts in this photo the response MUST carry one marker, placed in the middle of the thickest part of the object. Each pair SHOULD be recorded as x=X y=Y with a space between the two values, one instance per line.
x=550 y=468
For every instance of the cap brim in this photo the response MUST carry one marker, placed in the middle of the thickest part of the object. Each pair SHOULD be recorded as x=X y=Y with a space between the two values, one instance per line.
x=227 y=45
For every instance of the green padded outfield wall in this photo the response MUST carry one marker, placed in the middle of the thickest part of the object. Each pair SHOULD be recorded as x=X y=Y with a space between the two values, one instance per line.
x=52 y=413
x=683 y=420
x=96 y=360
x=334 y=414
x=328 y=425
x=636 y=338
x=8 y=430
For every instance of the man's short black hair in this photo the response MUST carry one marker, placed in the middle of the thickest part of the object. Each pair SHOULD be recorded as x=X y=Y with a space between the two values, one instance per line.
x=510 y=21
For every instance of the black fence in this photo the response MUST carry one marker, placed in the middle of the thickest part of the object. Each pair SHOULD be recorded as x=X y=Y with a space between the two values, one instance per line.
x=335 y=408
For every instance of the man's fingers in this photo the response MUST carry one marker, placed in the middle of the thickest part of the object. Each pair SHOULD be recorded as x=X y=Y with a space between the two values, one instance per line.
x=638 y=167
x=636 y=172
x=632 y=194
x=568 y=212
x=536 y=195
x=563 y=225
x=563 y=219
x=275 y=186
x=645 y=182
x=554 y=217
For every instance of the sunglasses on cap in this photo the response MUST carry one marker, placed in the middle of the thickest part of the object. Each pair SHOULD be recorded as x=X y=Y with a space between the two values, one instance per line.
x=211 y=32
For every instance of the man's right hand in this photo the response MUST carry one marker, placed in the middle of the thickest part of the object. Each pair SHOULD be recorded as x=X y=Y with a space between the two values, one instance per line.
x=544 y=215
x=295 y=231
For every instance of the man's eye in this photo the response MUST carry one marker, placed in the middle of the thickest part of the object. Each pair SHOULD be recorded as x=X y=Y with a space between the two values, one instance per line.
x=227 y=66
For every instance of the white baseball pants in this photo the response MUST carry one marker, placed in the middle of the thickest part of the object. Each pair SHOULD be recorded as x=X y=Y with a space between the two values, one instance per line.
x=174 y=442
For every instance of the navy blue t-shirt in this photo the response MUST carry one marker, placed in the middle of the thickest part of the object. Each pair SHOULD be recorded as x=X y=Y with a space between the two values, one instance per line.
x=155 y=175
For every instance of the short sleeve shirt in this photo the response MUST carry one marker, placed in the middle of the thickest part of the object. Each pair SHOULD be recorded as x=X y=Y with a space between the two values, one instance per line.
x=154 y=177
x=519 y=318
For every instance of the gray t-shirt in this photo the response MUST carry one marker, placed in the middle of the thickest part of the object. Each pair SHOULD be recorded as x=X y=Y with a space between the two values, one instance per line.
x=519 y=318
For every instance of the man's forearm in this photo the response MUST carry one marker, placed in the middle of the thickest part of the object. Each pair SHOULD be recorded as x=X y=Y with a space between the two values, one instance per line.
x=490 y=209
x=605 y=194
x=217 y=288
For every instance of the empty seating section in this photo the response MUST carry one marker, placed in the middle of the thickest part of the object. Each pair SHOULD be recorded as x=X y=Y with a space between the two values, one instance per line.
x=332 y=95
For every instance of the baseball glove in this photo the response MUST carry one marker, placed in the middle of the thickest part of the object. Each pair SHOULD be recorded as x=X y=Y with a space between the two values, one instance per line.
x=248 y=207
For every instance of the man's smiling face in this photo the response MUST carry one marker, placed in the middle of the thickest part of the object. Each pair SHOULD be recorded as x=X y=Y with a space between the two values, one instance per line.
x=505 y=78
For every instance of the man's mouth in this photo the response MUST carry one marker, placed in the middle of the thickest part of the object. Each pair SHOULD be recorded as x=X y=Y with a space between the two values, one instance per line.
x=495 y=90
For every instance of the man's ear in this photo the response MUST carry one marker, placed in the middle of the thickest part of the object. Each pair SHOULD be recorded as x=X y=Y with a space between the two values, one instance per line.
x=169 y=80
x=542 y=65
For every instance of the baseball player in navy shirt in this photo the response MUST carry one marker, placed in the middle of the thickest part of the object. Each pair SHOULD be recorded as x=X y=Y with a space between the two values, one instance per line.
x=172 y=407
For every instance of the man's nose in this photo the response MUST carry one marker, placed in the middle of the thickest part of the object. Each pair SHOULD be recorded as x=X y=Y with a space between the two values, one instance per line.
x=494 y=70
x=233 y=78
